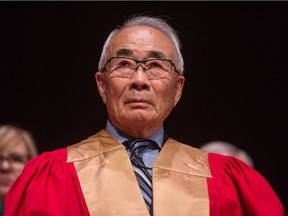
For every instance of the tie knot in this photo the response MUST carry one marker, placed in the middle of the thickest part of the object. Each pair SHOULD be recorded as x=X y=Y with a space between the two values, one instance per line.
x=138 y=145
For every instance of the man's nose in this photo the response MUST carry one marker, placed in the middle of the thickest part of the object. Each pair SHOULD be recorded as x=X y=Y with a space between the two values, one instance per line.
x=140 y=81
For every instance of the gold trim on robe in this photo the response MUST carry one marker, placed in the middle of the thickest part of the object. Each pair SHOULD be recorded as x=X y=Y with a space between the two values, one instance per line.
x=180 y=181
x=110 y=187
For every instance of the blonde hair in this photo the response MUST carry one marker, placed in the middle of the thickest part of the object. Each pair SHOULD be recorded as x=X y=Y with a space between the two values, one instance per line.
x=10 y=133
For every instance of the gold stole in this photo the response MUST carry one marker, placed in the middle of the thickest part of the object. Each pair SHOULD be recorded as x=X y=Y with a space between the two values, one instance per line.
x=110 y=187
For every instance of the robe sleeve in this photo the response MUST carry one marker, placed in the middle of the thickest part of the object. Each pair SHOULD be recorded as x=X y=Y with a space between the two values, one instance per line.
x=237 y=189
x=48 y=185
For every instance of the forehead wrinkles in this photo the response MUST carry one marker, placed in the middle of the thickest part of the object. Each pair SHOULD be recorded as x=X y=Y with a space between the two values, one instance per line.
x=139 y=39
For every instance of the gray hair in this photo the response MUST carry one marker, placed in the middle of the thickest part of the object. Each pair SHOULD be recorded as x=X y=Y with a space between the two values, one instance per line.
x=226 y=148
x=153 y=22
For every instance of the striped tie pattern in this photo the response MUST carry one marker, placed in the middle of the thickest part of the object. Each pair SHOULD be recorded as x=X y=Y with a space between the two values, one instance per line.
x=144 y=178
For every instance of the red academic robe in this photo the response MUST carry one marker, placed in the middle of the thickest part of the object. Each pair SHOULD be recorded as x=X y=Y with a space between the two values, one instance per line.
x=95 y=177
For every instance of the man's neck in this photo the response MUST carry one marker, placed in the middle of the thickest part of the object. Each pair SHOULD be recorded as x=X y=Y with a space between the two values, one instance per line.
x=122 y=136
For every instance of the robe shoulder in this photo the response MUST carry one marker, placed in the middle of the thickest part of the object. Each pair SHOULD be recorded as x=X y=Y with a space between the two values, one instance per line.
x=236 y=187
x=48 y=185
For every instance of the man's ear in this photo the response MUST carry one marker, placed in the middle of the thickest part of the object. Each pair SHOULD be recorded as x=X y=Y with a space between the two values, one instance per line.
x=179 y=88
x=100 y=81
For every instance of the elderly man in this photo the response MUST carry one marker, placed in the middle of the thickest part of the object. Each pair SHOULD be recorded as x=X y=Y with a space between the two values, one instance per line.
x=114 y=172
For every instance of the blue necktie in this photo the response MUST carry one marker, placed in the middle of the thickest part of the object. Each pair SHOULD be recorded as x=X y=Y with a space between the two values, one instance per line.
x=137 y=146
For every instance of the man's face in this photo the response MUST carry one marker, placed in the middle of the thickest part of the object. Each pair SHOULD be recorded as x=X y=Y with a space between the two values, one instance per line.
x=139 y=105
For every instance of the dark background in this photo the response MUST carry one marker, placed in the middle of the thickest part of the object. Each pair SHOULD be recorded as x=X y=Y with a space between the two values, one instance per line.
x=235 y=57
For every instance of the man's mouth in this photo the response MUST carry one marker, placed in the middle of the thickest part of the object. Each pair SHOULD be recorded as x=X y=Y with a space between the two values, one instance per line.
x=138 y=102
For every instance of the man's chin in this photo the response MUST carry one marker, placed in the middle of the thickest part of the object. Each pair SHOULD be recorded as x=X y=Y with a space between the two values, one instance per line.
x=139 y=116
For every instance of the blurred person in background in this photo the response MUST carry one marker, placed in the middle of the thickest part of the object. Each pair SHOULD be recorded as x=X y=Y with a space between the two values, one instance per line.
x=17 y=147
x=228 y=149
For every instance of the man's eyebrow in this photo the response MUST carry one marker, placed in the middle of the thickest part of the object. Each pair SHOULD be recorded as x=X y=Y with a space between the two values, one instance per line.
x=156 y=54
x=124 y=52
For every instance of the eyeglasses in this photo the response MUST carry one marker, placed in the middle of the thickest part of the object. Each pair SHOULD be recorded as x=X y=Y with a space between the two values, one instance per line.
x=154 y=68
x=14 y=159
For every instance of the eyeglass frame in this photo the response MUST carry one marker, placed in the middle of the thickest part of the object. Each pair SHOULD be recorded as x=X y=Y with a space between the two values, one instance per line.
x=12 y=161
x=143 y=62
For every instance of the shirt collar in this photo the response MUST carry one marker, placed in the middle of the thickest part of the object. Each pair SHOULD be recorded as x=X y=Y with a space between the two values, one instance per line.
x=121 y=137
